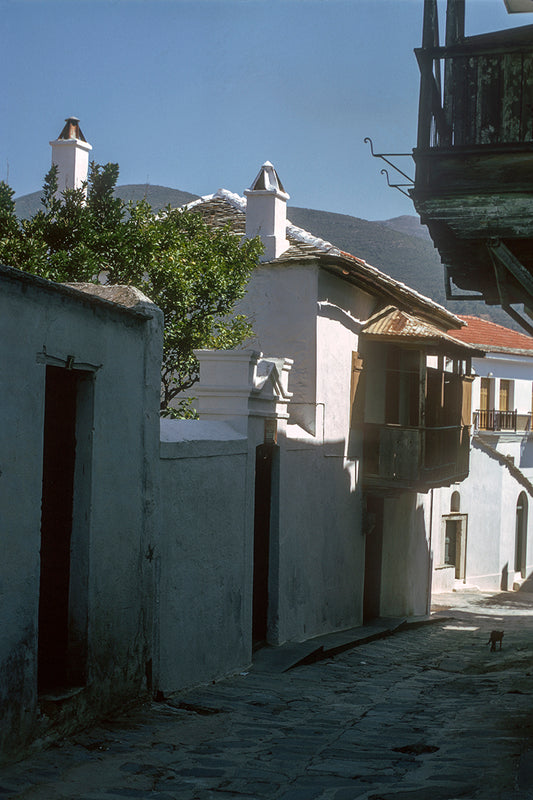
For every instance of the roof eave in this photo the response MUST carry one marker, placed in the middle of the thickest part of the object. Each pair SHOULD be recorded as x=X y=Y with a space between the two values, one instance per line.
x=392 y=289
x=425 y=341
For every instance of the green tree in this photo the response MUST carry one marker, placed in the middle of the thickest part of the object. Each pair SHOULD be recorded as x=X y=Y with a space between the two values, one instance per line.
x=195 y=273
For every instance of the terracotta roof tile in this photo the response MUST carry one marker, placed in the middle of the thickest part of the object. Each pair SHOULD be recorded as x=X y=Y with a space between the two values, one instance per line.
x=490 y=336
x=395 y=324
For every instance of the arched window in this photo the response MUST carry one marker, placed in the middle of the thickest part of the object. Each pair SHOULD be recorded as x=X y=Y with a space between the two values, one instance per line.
x=455 y=503
x=521 y=535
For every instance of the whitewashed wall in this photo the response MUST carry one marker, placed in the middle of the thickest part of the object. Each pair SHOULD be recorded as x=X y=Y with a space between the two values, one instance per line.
x=489 y=497
x=42 y=323
x=406 y=577
x=320 y=546
x=205 y=568
x=314 y=318
x=281 y=302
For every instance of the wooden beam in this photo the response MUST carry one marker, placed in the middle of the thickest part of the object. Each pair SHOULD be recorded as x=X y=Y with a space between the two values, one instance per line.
x=455 y=22
x=501 y=252
x=454 y=81
x=513 y=313
x=430 y=39
x=431 y=24
x=471 y=51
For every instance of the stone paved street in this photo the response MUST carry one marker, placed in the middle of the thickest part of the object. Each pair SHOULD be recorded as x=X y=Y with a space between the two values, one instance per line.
x=428 y=713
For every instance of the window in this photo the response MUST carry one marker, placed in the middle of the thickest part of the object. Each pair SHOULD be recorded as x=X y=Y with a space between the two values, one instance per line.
x=454 y=531
x=505 y=395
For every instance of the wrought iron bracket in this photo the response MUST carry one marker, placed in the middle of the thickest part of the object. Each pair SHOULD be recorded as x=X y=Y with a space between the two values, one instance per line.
x=396 y=185
x=386 y=158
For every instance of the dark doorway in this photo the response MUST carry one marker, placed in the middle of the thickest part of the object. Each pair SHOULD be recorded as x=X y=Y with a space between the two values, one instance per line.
x=521 y=535
x=373 y=557
x=264 y=457
x=56 y=666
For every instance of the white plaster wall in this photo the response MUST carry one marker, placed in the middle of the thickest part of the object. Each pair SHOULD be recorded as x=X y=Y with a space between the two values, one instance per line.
x=122 y=505
x=341 y=311
x=405 y=573
x=281 y=302
x=206 y=555
x=526 y=456
x=321 y=549
x=488 y=496
x=314 y=318
x=522 y=396
x=518 y=369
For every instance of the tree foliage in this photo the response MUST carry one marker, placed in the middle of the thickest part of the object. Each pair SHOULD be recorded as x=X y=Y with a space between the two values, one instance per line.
x=193 y=272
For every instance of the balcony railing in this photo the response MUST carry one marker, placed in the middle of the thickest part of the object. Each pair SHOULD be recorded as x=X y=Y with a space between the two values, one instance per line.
x=490 y=419
x=486 y=96
x=402 y=457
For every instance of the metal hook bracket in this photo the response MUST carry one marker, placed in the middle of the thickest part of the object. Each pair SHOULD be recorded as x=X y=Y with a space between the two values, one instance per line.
x=385 y=157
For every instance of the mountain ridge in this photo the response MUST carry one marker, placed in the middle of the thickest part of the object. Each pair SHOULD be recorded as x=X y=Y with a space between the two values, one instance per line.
x=400 y=247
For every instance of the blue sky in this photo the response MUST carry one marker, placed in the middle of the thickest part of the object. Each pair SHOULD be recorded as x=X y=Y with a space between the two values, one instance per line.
x=197 y=94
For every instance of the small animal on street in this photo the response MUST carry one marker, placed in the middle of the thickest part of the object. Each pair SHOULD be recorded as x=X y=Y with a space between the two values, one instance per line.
x=495 y=636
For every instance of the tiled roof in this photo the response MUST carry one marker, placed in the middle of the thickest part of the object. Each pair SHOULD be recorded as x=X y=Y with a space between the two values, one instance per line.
x=492 y=337
x=224 y=207
x=127 y=296
x=394 y=324
x=114 y=298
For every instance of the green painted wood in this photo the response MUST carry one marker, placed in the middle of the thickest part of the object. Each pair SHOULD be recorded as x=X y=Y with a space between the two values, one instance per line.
x=512 y=68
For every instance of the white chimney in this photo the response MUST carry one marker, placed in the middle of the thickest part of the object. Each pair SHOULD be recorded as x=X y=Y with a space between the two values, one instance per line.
x=70 y=152
x=266 y=212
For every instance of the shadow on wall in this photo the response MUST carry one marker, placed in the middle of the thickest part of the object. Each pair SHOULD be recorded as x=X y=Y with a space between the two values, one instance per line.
x=504 y=583
x=423 y=558
x=406 y=574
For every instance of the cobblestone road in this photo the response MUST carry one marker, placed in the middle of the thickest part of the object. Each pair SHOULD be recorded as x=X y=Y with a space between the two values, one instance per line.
x=426 y=714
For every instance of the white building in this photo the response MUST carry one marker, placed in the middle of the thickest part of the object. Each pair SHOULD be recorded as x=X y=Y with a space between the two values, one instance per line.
x=374 y=422
x=485 y=537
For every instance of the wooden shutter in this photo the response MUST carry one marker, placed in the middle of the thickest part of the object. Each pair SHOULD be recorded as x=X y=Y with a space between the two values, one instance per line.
x=504 y=395
x=466 y=410
x=484 y=394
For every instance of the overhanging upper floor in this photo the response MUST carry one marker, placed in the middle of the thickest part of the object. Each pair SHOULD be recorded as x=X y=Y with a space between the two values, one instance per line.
x=474 y=157
x=413 y=402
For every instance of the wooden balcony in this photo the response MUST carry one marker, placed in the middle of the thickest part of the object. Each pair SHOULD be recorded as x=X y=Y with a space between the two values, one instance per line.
x=474 y=157
x=399 y=458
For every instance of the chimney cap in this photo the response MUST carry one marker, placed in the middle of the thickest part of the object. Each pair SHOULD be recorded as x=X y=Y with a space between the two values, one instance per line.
x=72 y=130
x=267 y=180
